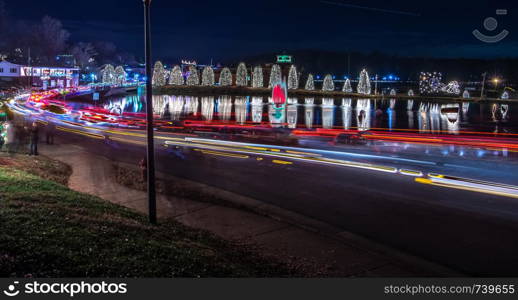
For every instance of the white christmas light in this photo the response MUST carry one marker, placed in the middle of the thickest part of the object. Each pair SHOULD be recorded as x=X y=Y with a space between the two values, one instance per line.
x=193 y=78
x=293 y=78
x=207 y=76
x=176 y=76
x=159 y=74
x=257 y=80
x=364 y=84
x=347 y=86
x=241 y=75
x=108 y=75
x=329 y=84
x=430 y=83
x=466 y=95
x=452 y=88
x=275 y=76
x=120 y=75
x=225 y=77
x=310 y=83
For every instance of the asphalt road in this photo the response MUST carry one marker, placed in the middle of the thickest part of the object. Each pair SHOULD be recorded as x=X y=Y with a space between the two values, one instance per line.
x=469 y=231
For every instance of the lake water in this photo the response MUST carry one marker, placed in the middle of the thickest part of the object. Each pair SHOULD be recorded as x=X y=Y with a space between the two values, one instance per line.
x=364 y=114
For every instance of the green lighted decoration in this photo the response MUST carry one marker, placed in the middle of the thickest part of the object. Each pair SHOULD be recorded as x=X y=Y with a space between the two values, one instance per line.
x=286 y=59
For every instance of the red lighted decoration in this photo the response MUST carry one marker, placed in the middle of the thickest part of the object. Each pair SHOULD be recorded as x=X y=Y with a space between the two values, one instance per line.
x=279 y=95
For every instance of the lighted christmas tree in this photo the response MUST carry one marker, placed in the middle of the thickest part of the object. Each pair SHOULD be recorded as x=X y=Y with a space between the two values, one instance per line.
x=120 y=75
x=241 y=75
x=108 y=75
x=310 y=83
x=257 y=77
x=193 y=78
x=225 y=77
x=176 y=76
x=275 y=76
x=328 y=85
x=347 y=86
x=159 y=74
x=293 y=78
x=207 y=76
x=364 y=85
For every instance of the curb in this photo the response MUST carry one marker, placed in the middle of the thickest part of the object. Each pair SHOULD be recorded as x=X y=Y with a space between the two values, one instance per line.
x=306 y=223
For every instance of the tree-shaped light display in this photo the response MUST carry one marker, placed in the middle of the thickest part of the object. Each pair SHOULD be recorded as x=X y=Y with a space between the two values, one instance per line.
x=241 y=75
x=159 y=74
x=108 y=75
x=207 y=76
x=364 y=84
x=329 y=84
x=225 y=77
x=293 y=78
x=275 y=76
x=176 y=76
x=310 y=83
x=347 y=86
x=120 y=75
x=193 y=78
x=257 y=80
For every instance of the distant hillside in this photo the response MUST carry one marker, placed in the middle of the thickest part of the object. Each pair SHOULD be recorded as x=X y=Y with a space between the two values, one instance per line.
x=323 y=62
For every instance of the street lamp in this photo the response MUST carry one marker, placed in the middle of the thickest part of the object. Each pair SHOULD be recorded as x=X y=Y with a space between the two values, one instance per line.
x=149 y=117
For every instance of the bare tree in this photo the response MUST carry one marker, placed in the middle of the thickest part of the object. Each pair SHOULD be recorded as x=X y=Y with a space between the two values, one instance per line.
x=84 y=54
x=51 y=38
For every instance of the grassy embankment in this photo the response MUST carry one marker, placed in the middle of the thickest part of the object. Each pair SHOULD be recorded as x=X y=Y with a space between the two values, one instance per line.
x=49 y=230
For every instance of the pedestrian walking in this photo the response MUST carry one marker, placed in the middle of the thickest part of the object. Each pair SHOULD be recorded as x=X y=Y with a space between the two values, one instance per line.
x=34 y=137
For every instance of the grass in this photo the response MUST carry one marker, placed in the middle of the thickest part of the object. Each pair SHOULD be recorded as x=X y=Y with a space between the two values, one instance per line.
x=49 y=230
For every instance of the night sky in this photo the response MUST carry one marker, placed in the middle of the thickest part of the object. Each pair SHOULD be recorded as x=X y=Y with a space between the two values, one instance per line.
x=222 y=30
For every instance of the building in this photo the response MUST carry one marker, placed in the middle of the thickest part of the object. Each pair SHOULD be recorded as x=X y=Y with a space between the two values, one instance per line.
x=39 y=76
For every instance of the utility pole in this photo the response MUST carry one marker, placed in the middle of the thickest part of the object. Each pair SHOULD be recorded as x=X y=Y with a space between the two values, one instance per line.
x=149 y=117
x=376 y=85
x=483 y=85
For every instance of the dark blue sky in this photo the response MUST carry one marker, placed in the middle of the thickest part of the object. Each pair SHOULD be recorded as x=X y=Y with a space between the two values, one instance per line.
x=225 y=29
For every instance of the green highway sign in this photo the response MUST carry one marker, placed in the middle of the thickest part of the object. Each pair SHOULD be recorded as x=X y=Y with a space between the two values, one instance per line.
x=284 y=58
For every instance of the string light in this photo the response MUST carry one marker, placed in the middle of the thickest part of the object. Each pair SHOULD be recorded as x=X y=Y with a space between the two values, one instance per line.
x=108 y=75
x=293 y=78
x=159 y=74
x=275 y=76
x=364 y=85
x=207 y=76
x=241 y=75
x=120 y=75
x=176 y=76
x=452 y=88
x=430 y=83
x=257 y=80
x=329 y=84
x=193 y=78
x=225 y=77
x=310 y=83
x=347 y=86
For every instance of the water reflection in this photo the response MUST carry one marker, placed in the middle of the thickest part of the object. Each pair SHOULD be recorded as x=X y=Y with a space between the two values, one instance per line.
x=347 y=112
x=364 y=114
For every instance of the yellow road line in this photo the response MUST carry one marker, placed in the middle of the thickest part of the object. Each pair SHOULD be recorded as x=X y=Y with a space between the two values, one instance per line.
x=282 y=162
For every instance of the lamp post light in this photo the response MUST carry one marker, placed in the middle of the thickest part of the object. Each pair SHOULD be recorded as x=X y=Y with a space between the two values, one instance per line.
x=149 y=117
